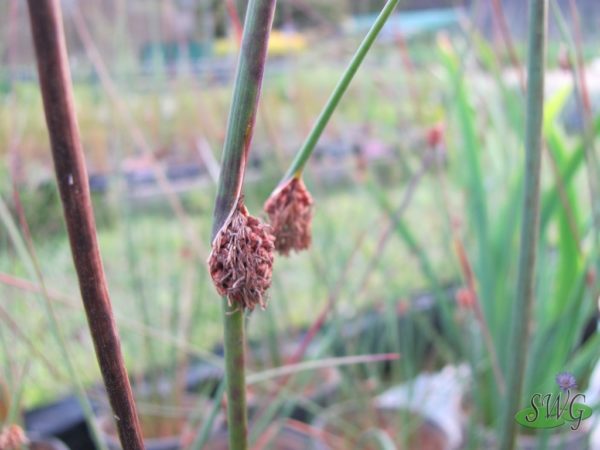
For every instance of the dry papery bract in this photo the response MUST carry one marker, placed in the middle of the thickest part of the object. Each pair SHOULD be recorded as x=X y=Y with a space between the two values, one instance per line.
x=290 y=213
x=12 y=437
x=241 y=260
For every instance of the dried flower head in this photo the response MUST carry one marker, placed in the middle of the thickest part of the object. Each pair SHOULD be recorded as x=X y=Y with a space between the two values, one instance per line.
x=290 y=214
x=241 y=260
x=12 y=437
x=566 y=381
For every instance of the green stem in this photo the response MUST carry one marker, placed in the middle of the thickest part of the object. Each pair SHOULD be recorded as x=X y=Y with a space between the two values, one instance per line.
x=240 y=127
x=242 y=115
x=578 y=72
x=28 y=257
x=522 y=308
x=307 y=148
x=235 y=374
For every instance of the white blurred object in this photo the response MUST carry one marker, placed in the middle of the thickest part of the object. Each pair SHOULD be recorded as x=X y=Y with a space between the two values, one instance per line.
x=436 y=396
x=592 y=398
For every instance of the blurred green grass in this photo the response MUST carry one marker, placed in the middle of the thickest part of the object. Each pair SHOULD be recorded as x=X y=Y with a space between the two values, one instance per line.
x=145 y=252
x=161 y=258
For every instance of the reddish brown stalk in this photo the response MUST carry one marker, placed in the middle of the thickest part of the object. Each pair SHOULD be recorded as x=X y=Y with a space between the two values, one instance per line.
x=474 y=302
x=505 y=31
x=585 y=94
x=235 y=20
x=28 y=286
x=5 y=397
x=71 y=174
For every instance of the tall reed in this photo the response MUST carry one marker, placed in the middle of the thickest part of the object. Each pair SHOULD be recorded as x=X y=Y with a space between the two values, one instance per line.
x=71 y=175
x=523 y=304
x=229 y=206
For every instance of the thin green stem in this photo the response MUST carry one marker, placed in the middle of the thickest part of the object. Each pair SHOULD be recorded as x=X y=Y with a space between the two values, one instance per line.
x=307 y=148
x=522 y=308
x=240 y=128
x=206 y=429
x=579 y=82
x=235 y=374
x=242 y=115
x=28 y=257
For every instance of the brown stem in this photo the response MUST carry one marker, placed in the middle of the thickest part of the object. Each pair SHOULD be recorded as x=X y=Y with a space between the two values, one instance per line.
x=585 y=95
x=71 y=174
x=469 y=278
x=505 y=31
x=235 y=19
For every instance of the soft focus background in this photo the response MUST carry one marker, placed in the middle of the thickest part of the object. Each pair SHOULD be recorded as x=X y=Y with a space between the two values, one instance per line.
x=416 y=182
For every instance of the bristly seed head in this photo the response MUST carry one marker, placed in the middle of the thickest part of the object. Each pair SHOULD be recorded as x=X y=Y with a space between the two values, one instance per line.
x=290 y=213
x=241 y=260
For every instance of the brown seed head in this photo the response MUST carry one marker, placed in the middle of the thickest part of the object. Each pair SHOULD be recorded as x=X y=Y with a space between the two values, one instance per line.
x=12 y=437
x=241 y=260
x=290 y=214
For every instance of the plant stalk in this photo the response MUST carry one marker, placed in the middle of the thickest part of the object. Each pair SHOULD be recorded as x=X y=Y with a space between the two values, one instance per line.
x=523 y=305
x=242 y=115
x=71 y=174
x=240 y=128
x=303 y=155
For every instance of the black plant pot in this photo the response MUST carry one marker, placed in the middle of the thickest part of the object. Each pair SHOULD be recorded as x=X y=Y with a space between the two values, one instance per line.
x=63 y=420
x=46 y=444
x=112 y=441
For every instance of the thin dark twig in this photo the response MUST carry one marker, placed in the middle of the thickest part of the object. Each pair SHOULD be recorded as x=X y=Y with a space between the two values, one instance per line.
x=235 y=19
x=506 y=36
x=136 y=133
x=71 y=174
x=331 y=300
x=469 y=278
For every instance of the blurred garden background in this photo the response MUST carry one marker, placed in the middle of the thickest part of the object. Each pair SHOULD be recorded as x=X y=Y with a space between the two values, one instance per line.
x=417 y=183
